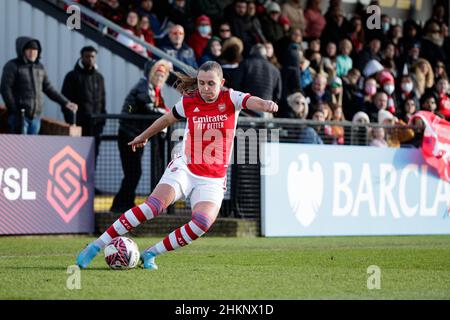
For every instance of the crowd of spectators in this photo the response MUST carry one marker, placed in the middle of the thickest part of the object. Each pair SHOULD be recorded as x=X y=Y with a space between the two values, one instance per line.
x=293 y=51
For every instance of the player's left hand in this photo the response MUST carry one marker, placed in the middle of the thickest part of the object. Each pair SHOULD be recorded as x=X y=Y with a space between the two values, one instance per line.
x=272 y=107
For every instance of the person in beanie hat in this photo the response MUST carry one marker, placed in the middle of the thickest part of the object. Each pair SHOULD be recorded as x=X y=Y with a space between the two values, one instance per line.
x=199 y=40
x=387 y=82
x=23 y=85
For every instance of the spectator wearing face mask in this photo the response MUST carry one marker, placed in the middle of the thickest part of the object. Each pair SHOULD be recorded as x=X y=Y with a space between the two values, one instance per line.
x=199 y=40
x=407 y=90
x=387 y=82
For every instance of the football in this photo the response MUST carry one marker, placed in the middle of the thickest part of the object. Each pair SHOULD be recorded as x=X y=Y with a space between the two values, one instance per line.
x=122 y=253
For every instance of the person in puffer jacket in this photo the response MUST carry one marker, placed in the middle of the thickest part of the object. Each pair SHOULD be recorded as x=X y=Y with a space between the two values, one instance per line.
x=23 y=85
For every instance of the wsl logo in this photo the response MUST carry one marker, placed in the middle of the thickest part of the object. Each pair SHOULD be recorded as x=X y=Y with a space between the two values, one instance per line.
x=67 y=185
x=305 y=189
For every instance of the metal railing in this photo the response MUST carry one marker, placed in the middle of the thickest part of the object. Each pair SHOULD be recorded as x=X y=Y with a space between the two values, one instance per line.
x=242 y=198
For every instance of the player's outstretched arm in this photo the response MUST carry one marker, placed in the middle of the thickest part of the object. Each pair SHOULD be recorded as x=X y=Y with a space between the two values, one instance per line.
x=160 y=124
x=258 y=104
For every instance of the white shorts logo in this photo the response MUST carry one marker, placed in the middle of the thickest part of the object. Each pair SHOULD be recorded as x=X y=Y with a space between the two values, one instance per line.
x=305 y=189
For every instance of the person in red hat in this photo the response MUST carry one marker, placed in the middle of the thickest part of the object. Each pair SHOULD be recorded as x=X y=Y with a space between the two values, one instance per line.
x=199 y=40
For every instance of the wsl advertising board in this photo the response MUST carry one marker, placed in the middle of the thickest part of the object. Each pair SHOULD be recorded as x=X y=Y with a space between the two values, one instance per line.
x=46 y=184
x=314 y=190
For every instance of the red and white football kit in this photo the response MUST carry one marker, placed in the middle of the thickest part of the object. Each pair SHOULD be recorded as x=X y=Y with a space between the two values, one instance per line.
x=200 y=173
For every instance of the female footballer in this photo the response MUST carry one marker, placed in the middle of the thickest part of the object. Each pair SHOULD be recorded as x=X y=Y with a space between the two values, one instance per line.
x=211 y=114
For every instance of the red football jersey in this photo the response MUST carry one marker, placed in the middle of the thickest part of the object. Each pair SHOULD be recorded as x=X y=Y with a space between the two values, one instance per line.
x=210 y=130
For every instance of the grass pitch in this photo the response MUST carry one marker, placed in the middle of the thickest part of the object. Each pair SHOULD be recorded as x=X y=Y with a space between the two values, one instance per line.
x=235 y=268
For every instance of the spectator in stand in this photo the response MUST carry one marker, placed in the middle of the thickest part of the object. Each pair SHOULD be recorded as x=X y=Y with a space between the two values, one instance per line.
x=338 y=132
x=432 y=44
x=428 y=102
x=394 y=37
x=344 y=62
x=241 y=25
x=408 y=109
x=324 y=131
x=144 y=99
x=357 y=36
x=411 y=34
x=212 y=51
x=353 y=97
x=293 y=37
x=360 y=131
x=176 y=47
x=271 y=26
x=440 y=92
x=23 y=85
x=411 y=56
x=85 y=86
x=318 y=92
x=199 y=40
x=380 y=102
x=337 y=91
x=293 y=9
x=147 y=31
x=211 y=8
x=314 y=56
x=394 y=136
x=271 y=55
x=387 y=83
x=256 y=29
x=407 y=90
x=389 y=60
x=230 y=60
x=306 y=72
x=337 y=27
x=260 y=78
x=438 y=14
x=423 y=75
x=290 y=78
x=179 y=13
x=328 y=62
x=114 y=11
x=299 y=109
x=439 y=71
x=145 y=9
x=132 y=27
x=315 y=21
x=378 y=138
x=370 y=52
x=224 y=31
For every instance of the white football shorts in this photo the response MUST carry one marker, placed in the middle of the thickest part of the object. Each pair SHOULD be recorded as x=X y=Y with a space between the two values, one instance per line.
x=188 y=185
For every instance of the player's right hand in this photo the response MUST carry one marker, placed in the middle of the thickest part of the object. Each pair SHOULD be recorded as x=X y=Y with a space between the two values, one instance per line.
x=137 y=142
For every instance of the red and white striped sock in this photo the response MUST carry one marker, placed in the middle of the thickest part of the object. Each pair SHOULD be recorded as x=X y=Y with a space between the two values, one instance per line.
x=148 y=210
x=184 y=235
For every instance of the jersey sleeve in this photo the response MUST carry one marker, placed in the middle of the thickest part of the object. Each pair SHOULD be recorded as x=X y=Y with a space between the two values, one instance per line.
x=239 y=99
x=178 y=110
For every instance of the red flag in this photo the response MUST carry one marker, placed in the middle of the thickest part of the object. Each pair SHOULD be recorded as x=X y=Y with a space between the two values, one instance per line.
x=436 y=142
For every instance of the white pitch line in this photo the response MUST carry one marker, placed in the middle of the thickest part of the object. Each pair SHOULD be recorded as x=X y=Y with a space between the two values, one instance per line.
x=38 y=256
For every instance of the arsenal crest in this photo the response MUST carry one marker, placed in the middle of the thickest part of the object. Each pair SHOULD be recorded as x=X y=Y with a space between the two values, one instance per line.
x=221 y=107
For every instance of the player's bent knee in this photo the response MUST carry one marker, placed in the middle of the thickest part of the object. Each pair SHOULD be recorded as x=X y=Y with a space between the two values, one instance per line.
x=203 y=221
x=156 y=205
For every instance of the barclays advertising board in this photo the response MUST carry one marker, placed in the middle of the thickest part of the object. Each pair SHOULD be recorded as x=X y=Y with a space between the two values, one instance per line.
x=317 y=190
